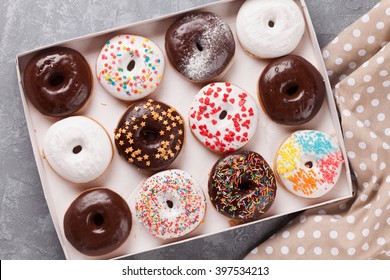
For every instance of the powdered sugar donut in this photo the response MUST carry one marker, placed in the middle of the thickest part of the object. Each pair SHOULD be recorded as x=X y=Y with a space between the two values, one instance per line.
x=170 y=204
x=269 y=28
x=309 y=163
x=130 y=67
x=200 y=45
x=223 y=117
x=78 y=149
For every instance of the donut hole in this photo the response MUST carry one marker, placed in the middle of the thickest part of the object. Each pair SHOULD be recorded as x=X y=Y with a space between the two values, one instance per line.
x=56 y=79
x=149 y=134
x=131 y=65
x=97 y=219
x=223 y=115
x=246 y=185
x=169 y=203
x=271 y=23
x=199 y=46
x=292 y=89
x=77 y=149
x=309 y=164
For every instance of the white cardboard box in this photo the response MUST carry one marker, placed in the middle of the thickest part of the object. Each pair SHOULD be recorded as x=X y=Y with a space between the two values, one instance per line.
x=194 y=158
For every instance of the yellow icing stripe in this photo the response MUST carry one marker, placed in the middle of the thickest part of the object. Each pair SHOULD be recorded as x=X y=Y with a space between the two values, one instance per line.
x=289 y=153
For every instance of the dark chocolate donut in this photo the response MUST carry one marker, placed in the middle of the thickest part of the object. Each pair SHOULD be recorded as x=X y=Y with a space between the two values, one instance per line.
x=150 y=135
x=291 y=90
x=97 y=222
x=200 y=45
x=58 y=81
x=242 y=186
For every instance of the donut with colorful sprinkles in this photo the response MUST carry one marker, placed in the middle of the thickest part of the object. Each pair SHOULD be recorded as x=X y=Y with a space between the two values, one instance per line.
x=223 y=117
x=242 y=186
x=309 y=163
x=150 y=135
x=170 y=204
x=130 y=67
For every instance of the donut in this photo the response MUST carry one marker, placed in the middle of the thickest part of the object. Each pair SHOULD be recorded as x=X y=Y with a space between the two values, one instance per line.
x=130 y=67
x=308 y=163
x=242 y=186
x=223 y=117
x=58 y=81
x=97 y=222
x=291 y=90
x=78 y=149
x=200 y=46
x=150 y=135
x=269 y=28
x=170 y=204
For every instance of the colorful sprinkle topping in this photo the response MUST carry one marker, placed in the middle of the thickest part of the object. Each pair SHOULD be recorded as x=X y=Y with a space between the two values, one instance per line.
x=130 y=67
x=242 y=186
x=170 y=204
x=309 y=163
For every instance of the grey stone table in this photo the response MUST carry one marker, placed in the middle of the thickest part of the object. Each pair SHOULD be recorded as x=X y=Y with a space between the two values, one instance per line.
x=26 y=229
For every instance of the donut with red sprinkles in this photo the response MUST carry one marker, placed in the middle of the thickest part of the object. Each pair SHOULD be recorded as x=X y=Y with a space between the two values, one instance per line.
x=223 y=117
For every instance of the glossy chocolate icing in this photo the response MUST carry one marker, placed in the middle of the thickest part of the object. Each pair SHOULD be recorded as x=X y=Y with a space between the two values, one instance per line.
x=58 y=81
x=150 y=135
x=291 y=90
x=97 y=222
x=242 y=186
x=200 y=46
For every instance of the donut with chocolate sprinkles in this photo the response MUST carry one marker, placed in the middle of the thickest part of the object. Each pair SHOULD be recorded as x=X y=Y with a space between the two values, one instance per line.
x=150 y=135
x=242 y=186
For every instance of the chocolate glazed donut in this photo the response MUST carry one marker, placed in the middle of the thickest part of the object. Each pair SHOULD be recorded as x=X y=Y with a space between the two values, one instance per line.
x=242 y=186
x=97 y=222
x=291 y=90
x=150 y=135
x=58 y=81
x=200 y=46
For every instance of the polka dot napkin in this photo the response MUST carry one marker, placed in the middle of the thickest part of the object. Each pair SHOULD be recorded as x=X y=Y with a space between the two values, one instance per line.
x=358 y=63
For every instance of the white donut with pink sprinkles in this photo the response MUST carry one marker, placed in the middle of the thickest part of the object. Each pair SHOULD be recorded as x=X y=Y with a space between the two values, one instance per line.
x=223 y=117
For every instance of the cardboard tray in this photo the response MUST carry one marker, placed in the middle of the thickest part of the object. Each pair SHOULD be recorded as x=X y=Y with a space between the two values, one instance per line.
x=194 y=158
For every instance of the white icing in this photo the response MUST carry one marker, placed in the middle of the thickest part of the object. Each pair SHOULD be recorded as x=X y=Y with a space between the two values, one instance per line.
x=309 y=163
x=234 y=130
x=123 y=82
x=89 y=163
x=170 y=204
x=269 y=28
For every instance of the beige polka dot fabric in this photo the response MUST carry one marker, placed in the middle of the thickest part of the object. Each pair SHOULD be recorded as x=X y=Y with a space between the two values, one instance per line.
x=358 y=63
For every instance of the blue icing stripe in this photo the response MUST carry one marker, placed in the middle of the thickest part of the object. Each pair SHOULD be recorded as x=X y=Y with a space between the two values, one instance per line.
x=315 y=142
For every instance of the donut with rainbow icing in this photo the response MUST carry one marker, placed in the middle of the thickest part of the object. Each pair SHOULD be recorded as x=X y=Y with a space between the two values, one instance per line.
x=309 y=163
x=130 y=67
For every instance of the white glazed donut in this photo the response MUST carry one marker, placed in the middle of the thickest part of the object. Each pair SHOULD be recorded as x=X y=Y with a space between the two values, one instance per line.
x=223 y=117
x=170 y=204
x=309 y=163
x=269 y=28
x=78 y=149
x=130 y=67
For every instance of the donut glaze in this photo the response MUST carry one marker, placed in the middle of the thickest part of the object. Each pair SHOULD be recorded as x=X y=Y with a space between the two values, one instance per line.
x=223 y=117
x=200 y=45
x=150 y=135
x=242 y=186
x=97 y=222
x=269 y=28
x=58 y=81
x=130 y=67
x=309 y=163
x=78 y=149
x=291 y=90
x=170 y=204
